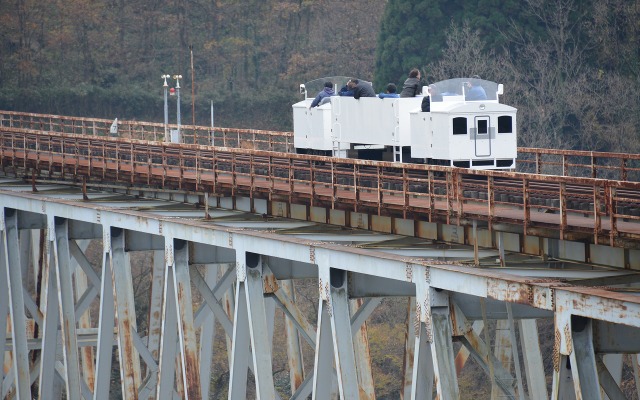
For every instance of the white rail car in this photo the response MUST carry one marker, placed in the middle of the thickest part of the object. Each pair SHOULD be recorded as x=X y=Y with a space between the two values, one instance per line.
x=457 y=131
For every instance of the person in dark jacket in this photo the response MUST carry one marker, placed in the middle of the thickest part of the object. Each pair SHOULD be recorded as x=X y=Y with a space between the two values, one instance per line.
x=326 y=92
x=361 y=89
x=390 y=92
x=345 y=91
x=412 y=86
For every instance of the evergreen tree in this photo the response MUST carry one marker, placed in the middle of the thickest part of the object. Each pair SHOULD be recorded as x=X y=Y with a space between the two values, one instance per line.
x=413 y=34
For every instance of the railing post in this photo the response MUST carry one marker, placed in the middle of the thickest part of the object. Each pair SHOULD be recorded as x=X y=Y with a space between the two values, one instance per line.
x=563 y=209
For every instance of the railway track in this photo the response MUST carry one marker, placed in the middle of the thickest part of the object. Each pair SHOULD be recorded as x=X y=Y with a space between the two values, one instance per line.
x=606 y=211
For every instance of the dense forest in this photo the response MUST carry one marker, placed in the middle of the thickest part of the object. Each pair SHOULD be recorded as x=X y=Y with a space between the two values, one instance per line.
x=572 y=68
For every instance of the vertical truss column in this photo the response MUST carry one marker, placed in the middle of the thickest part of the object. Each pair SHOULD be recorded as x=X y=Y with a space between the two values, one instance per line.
x=155 y=303
x=63 y=275
x=49 y=307
x=409 y=345
x=423 y=367
x=502 y=352
x=583 y=360
x=106 y=324
x=169 y=329
x=563 y=376
x=251 y=316
x=186 y=330
x=84 y=320
x=334 y=338
x=125 y=311
x=363 y=356
x=229 y=306
x=4 y=296
x=207 y=335
x=433 y=340
x=323 y=360
x=442 y=352
x=343 y=347
x=533 y=366
x=294 y=352
x=11 y=267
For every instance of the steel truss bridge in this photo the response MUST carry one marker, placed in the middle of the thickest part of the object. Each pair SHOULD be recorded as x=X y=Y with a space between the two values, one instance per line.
x=228 y=234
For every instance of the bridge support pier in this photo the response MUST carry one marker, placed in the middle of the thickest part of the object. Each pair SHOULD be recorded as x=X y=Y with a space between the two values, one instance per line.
x=250 y=327
x=13 y=274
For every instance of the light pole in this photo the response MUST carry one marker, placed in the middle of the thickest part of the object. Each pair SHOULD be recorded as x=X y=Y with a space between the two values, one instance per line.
x=166 y=108
x=177 y=78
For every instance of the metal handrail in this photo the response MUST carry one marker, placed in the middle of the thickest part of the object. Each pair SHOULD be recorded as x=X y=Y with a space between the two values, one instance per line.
x=606 y=209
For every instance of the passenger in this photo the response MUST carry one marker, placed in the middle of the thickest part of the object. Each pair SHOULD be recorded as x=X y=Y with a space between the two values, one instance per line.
x=361 y=89
x=345 y=91
x=434 y=95
x=390 y=92
x=475 y=91
x=324 y=93
x=412 y=86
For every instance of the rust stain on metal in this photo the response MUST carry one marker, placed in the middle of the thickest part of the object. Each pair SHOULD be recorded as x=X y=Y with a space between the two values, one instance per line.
x=270 y=283
x=556 y=350
x=568 y=338
x=416 y=321
x=409 y=272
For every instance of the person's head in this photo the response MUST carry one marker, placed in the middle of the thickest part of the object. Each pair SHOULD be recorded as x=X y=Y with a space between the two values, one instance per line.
x=414 y=73
x=352 y=83
x=328 y=84
x=391 y=88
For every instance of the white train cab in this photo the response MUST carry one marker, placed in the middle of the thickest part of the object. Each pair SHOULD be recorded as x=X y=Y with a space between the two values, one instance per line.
x=466 y=126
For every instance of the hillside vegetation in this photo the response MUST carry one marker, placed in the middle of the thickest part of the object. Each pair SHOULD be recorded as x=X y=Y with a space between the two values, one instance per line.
x=570 y=67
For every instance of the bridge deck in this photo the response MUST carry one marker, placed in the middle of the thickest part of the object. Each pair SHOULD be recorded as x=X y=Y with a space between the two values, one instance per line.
x=598 y=210
x=241 y=266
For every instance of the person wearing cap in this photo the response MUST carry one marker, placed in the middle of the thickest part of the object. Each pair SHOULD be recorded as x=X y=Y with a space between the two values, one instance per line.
x=326 y=92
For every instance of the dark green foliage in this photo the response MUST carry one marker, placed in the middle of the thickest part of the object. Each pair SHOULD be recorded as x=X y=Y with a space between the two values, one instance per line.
x=411 y=33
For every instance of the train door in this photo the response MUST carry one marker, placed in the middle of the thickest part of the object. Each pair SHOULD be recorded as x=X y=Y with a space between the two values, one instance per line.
x=482 y=137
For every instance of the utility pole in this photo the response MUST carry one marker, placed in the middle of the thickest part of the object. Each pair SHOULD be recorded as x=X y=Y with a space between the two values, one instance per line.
x=193 y=95
x=166 y=108
x=177 y=78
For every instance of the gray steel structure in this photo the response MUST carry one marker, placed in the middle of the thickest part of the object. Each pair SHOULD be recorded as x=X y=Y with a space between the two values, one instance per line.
x=230 y=234
x=242 y=271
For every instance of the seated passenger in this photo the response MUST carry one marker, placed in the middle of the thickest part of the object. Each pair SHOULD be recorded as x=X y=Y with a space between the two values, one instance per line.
x=326 y=92
x=434 y=93
x=474 y=90
x=390 y=92
x=425 y=106
x=361 y=89
x=345 y=91
x=412 y=86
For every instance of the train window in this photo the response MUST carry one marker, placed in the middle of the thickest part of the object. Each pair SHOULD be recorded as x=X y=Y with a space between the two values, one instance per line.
x=483 y=126
x=459 y=126
x=505 y=124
